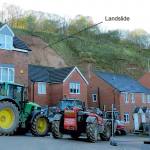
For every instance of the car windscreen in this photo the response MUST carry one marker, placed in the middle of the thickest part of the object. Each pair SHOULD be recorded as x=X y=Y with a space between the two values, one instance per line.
x=69 y=104
x=66 y=104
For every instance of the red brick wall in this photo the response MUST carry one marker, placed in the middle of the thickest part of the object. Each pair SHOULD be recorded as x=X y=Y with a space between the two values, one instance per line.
x=145 y=80
x=56 y=92
x=107 y=95
x=20 y=61
x=130 y=107
x=75 y=77
x=41 y=99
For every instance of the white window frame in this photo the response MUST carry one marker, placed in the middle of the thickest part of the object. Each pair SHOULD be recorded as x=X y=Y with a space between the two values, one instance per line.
x=93 y=97
x=148 y=98
x=76 y=86
x=3 y=38
x=8 y=77
x=126 y=117
x=126 y=99
x=41 y=88
x=143 y=98
x=132 y=97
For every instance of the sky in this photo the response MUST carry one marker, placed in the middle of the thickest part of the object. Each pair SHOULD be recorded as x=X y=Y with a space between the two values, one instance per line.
x=137 y=10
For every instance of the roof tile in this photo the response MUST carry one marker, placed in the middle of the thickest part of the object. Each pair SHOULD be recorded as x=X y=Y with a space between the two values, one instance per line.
x=123 y=83
x=48 y=74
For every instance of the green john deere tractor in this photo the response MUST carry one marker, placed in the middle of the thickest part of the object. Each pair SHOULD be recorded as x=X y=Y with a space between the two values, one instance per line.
x=19 y=115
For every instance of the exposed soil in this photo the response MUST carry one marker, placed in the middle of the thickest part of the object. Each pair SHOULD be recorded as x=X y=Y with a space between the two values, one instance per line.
x=41 y=54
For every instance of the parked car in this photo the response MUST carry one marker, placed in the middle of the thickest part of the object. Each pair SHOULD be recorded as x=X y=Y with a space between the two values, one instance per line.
x=119 y=125
x=120 y=129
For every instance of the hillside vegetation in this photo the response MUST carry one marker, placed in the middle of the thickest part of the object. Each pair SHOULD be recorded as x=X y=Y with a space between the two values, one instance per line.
x=115 y=51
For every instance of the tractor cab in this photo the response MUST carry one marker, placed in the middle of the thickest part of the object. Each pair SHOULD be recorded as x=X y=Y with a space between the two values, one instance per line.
x=12 y=91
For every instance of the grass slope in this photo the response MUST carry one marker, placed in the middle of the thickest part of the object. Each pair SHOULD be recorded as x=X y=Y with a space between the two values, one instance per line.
x=105 y=52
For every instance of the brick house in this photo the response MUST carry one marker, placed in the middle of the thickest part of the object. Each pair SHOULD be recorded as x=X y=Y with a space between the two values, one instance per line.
x=127 y=95
x=145 y=80
x=13 y=57
x=49 y=85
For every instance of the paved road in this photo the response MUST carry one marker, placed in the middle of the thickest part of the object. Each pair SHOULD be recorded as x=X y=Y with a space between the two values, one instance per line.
x=48 y=143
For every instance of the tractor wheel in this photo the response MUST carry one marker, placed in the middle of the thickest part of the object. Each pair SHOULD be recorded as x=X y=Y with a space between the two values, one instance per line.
x=105 y=136
x=92 y=132
x=56 y=130
x=75 y=135
x=9 y=118
x=39 y=125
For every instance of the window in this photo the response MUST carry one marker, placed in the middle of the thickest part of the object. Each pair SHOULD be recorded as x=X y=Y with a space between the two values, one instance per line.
x=6 y=42
x=15 y=92
x=126 y=117
x=74 y=88
x=143 y=98
x=7 y=74
x=94 y=97
x=41 y=88
x=148 y=98
x=126 y=97
x=132 y=98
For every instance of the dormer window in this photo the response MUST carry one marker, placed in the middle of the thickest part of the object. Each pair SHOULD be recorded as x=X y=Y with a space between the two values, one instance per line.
x=6 y=42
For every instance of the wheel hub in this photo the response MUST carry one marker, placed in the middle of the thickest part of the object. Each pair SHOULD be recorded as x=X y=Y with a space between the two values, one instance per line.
x=3 y=118
x=41 y=125
x=6 y=118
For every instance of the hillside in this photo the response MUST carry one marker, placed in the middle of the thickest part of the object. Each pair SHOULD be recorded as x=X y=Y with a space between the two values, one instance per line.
x=57 y=41
x=105 y=53
x=41 y=54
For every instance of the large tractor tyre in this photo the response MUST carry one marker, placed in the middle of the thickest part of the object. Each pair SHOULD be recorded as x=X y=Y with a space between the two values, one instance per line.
x=9 y=118
x=105 y=136
x=92 y=132
x=40 y=125
x=75 y=135
x=56 y=130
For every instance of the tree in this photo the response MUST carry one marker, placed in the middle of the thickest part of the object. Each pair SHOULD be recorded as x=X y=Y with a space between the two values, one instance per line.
x=79 y=23
x=12 y=13
x=139 y=37
x=31 y=23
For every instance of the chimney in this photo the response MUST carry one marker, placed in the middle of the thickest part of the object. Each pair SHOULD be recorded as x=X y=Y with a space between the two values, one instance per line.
x=88 y=71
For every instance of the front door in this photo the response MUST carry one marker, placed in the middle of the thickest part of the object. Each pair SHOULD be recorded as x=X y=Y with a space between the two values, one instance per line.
x=136 y=121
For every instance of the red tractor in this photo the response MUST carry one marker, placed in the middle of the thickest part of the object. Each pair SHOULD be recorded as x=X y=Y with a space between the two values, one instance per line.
x=72 y=119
